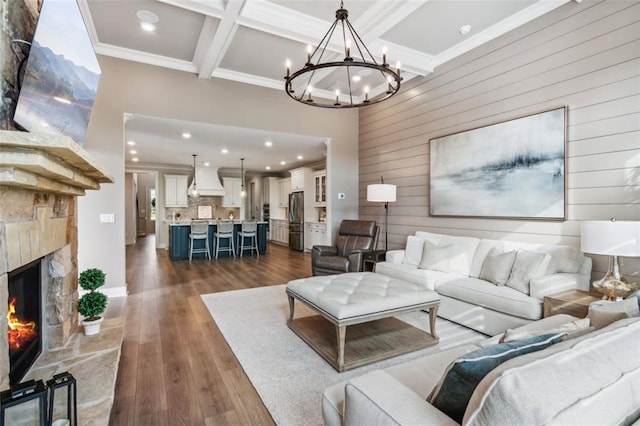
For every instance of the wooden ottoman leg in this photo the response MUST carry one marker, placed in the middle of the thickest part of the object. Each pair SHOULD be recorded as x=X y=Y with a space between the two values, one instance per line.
x=341 y=332
x=290 y=307
x=433 y=313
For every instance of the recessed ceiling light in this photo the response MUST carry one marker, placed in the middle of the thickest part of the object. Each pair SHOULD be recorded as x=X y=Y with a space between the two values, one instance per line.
x=147 y=20
x=356 y=78
x=464 y=29
x=135 y=160
x=268 y=143
x=148 y=27
x=300 y=157
x=224 y=151
x=206 y=164
x=133 y=151
x=282 y=163
x=131 y=143
x=186 y=135
x=267 y=168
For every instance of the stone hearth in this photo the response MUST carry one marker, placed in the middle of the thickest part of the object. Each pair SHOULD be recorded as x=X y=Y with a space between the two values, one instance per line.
x=40 y=178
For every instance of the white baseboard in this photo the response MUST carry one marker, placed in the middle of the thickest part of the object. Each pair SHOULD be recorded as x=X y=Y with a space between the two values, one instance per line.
x=115 y=291
x=108 y=291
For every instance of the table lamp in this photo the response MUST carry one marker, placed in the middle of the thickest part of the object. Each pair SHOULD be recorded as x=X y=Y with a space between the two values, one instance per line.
x=382 y=193
x=612 y=238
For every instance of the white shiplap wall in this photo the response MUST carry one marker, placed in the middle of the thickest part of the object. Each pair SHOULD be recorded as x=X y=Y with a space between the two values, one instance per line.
x=583 y=55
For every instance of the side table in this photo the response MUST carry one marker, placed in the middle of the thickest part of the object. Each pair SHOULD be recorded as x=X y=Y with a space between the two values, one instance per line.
x=573 y=302
x=370 y=258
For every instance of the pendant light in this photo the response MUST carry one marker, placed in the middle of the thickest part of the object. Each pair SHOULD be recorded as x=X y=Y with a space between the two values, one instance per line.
x=193 y=191
x=243 y=193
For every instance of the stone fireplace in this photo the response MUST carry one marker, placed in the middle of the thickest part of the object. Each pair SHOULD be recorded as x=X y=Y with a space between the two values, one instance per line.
x=40 y=178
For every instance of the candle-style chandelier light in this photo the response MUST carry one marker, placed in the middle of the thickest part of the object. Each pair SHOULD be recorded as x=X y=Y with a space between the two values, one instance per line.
x=354 y=75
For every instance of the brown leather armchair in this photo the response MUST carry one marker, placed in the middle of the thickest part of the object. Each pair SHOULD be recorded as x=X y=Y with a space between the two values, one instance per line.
x=355 y=237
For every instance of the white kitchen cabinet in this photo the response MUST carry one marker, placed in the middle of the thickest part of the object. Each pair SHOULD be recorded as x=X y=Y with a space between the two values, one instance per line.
x=232 y=189
x=297 y=180
x=279 y=231
x=320 y=188
x=284 y=186
x=270 y=191
x=315 y=234
x=175 y=190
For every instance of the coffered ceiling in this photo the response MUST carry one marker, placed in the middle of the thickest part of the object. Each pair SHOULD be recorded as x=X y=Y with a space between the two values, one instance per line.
x=249 y=41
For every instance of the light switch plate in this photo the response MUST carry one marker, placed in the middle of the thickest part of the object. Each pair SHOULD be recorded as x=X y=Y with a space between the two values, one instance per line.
x=107 y=218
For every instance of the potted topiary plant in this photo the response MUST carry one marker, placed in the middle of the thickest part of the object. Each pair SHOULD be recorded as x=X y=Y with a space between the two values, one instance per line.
x=92 y=304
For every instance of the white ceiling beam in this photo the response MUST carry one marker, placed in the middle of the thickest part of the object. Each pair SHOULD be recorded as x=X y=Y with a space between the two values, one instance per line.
x=213 y=54
x=145 y=58
x=213 y=8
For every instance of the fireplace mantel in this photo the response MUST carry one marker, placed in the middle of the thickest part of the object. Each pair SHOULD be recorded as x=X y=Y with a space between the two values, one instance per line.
x=51 y=163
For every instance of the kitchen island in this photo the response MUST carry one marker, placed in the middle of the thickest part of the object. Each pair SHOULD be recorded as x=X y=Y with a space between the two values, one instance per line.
x=179 y=240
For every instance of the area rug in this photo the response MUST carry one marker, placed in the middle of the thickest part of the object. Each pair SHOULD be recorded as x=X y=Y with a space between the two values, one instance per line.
x=288 y=375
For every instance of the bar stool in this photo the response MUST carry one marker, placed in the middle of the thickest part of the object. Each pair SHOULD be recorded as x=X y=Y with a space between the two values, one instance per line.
x=249 y=230
x=199 y=231
x=224 y=231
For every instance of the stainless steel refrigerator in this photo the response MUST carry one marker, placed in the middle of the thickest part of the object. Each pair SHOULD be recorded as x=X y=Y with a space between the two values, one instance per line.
x=296 y=221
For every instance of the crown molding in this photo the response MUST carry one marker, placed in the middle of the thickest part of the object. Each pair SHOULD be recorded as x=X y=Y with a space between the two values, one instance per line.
x=145 y=58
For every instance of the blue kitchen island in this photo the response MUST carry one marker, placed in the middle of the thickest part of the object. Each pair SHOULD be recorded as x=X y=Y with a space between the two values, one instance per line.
x=179 y=240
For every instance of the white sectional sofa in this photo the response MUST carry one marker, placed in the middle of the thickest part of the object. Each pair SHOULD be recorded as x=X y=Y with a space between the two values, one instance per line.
x=590 y=379
x=460 y=270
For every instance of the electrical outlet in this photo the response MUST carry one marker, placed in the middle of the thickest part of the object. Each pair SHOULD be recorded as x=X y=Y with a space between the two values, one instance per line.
x=341 y=196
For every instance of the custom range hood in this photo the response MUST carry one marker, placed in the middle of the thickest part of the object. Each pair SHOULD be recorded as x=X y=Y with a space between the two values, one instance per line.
x=208 y=182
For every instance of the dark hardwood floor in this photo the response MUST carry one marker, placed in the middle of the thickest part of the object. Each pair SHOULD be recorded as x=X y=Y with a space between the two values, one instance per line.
x=176 y=368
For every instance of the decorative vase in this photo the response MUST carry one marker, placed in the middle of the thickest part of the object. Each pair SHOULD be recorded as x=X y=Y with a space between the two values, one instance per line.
x=91 y=327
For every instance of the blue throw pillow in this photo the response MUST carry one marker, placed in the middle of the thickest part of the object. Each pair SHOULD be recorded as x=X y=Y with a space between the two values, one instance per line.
x=452 y=393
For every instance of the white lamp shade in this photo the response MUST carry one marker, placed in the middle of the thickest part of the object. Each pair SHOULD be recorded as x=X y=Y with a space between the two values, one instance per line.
x=610 y=238
x=381 y=192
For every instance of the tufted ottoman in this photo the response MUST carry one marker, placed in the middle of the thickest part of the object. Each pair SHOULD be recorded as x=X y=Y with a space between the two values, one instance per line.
x=356 y=298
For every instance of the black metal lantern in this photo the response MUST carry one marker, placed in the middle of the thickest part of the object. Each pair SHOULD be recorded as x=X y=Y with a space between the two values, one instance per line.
x=64 y=380
x=22 y=393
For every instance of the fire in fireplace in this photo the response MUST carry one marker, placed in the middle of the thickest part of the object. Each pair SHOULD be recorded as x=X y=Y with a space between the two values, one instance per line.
x=24 y=315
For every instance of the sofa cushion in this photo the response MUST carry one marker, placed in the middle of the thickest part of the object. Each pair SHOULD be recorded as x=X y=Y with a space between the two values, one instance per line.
x=485 y=245
x=462 y=252
x=436 y=256
x=451 y=395
x=413 y=251
x=423 y=277
x=603 y=313
x=498 y=298
x=497 y=266
x=593 y=379
x=527 y=265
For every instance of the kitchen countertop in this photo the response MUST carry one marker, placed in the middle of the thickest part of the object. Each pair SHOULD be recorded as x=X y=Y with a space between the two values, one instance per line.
x=186 y=222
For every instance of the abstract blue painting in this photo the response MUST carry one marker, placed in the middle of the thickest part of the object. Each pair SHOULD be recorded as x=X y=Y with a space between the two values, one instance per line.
x=514 y=169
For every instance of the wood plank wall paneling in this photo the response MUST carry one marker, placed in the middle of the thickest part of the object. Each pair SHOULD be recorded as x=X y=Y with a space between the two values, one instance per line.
x=583 y=55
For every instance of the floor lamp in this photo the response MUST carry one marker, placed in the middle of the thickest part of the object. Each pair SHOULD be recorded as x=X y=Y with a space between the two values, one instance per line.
x=613 y=239
x=383 y=193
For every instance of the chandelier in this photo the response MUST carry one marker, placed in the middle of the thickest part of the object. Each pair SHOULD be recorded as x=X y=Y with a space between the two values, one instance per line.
x=354 y=75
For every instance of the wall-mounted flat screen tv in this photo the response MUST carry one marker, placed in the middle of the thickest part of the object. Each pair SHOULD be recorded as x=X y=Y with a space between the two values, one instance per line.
x=62 y=74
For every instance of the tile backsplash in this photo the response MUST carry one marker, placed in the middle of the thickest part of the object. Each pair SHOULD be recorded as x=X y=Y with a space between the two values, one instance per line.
x=191 y=212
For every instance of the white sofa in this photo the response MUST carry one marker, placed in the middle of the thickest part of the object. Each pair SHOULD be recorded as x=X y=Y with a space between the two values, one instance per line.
x=477 y=303
x=592 y=379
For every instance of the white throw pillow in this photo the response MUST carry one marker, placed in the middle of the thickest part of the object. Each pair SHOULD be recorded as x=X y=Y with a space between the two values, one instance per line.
x=435 y=257
x=575 y=326
x=565 y=258
x=497 y=266
x=603 y=313
x=413 y=250
x=526 y=266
